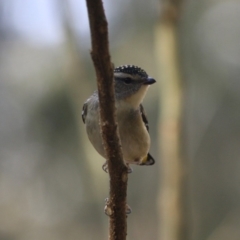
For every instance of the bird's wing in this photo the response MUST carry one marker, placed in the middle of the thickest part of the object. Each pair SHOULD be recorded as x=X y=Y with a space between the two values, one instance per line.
x=84 y=111
x=144 y=117
x=149 y=160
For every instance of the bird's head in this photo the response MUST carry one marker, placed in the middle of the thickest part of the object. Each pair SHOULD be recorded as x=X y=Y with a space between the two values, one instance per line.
x=131 y=84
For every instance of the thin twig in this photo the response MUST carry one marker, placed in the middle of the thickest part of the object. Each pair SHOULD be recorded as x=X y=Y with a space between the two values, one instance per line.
x=116 y=167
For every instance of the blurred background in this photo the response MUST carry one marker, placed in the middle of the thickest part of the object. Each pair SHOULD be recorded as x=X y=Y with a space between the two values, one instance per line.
x=51 y=182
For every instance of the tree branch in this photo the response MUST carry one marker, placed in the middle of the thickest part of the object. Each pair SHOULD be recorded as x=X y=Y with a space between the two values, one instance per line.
x=117 y=168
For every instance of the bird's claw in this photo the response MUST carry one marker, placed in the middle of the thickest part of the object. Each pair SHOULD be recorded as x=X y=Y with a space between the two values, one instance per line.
x=129 y=170
x=105 y=168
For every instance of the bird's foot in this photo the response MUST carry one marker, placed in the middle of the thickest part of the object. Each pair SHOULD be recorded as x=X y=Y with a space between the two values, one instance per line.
x=105 y=168
x=129 y=170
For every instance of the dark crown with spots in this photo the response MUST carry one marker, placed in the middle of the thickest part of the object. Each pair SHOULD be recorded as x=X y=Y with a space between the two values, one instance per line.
x=131 y=69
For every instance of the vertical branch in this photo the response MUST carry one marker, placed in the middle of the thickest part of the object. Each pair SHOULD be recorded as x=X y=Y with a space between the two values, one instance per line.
x=172 y=194
x=104 y=71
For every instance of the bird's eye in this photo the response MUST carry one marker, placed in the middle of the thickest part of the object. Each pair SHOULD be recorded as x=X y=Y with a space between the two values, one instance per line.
x=127 y=80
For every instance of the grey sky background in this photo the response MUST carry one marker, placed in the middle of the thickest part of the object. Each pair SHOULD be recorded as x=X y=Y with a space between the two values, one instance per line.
x=37 y=21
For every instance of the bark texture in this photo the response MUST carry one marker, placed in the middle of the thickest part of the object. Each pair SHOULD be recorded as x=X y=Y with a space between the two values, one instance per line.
x=116 y=206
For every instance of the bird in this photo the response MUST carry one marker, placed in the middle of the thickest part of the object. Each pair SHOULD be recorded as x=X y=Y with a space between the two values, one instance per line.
x=130 y=85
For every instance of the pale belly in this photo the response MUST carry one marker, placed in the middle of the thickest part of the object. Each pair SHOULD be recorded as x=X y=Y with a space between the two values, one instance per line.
x=135 y=142
x=134 y=136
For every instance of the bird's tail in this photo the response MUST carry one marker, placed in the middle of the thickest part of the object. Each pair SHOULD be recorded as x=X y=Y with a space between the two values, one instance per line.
x=148 y=160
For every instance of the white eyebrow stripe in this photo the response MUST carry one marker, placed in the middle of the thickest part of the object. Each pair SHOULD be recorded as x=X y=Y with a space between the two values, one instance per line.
x=122 y=75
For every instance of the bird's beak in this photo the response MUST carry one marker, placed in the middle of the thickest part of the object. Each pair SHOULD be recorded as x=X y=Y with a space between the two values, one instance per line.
x=149 y=81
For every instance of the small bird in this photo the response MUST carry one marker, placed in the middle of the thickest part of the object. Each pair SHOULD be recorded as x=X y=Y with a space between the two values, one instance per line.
x=130 y=84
